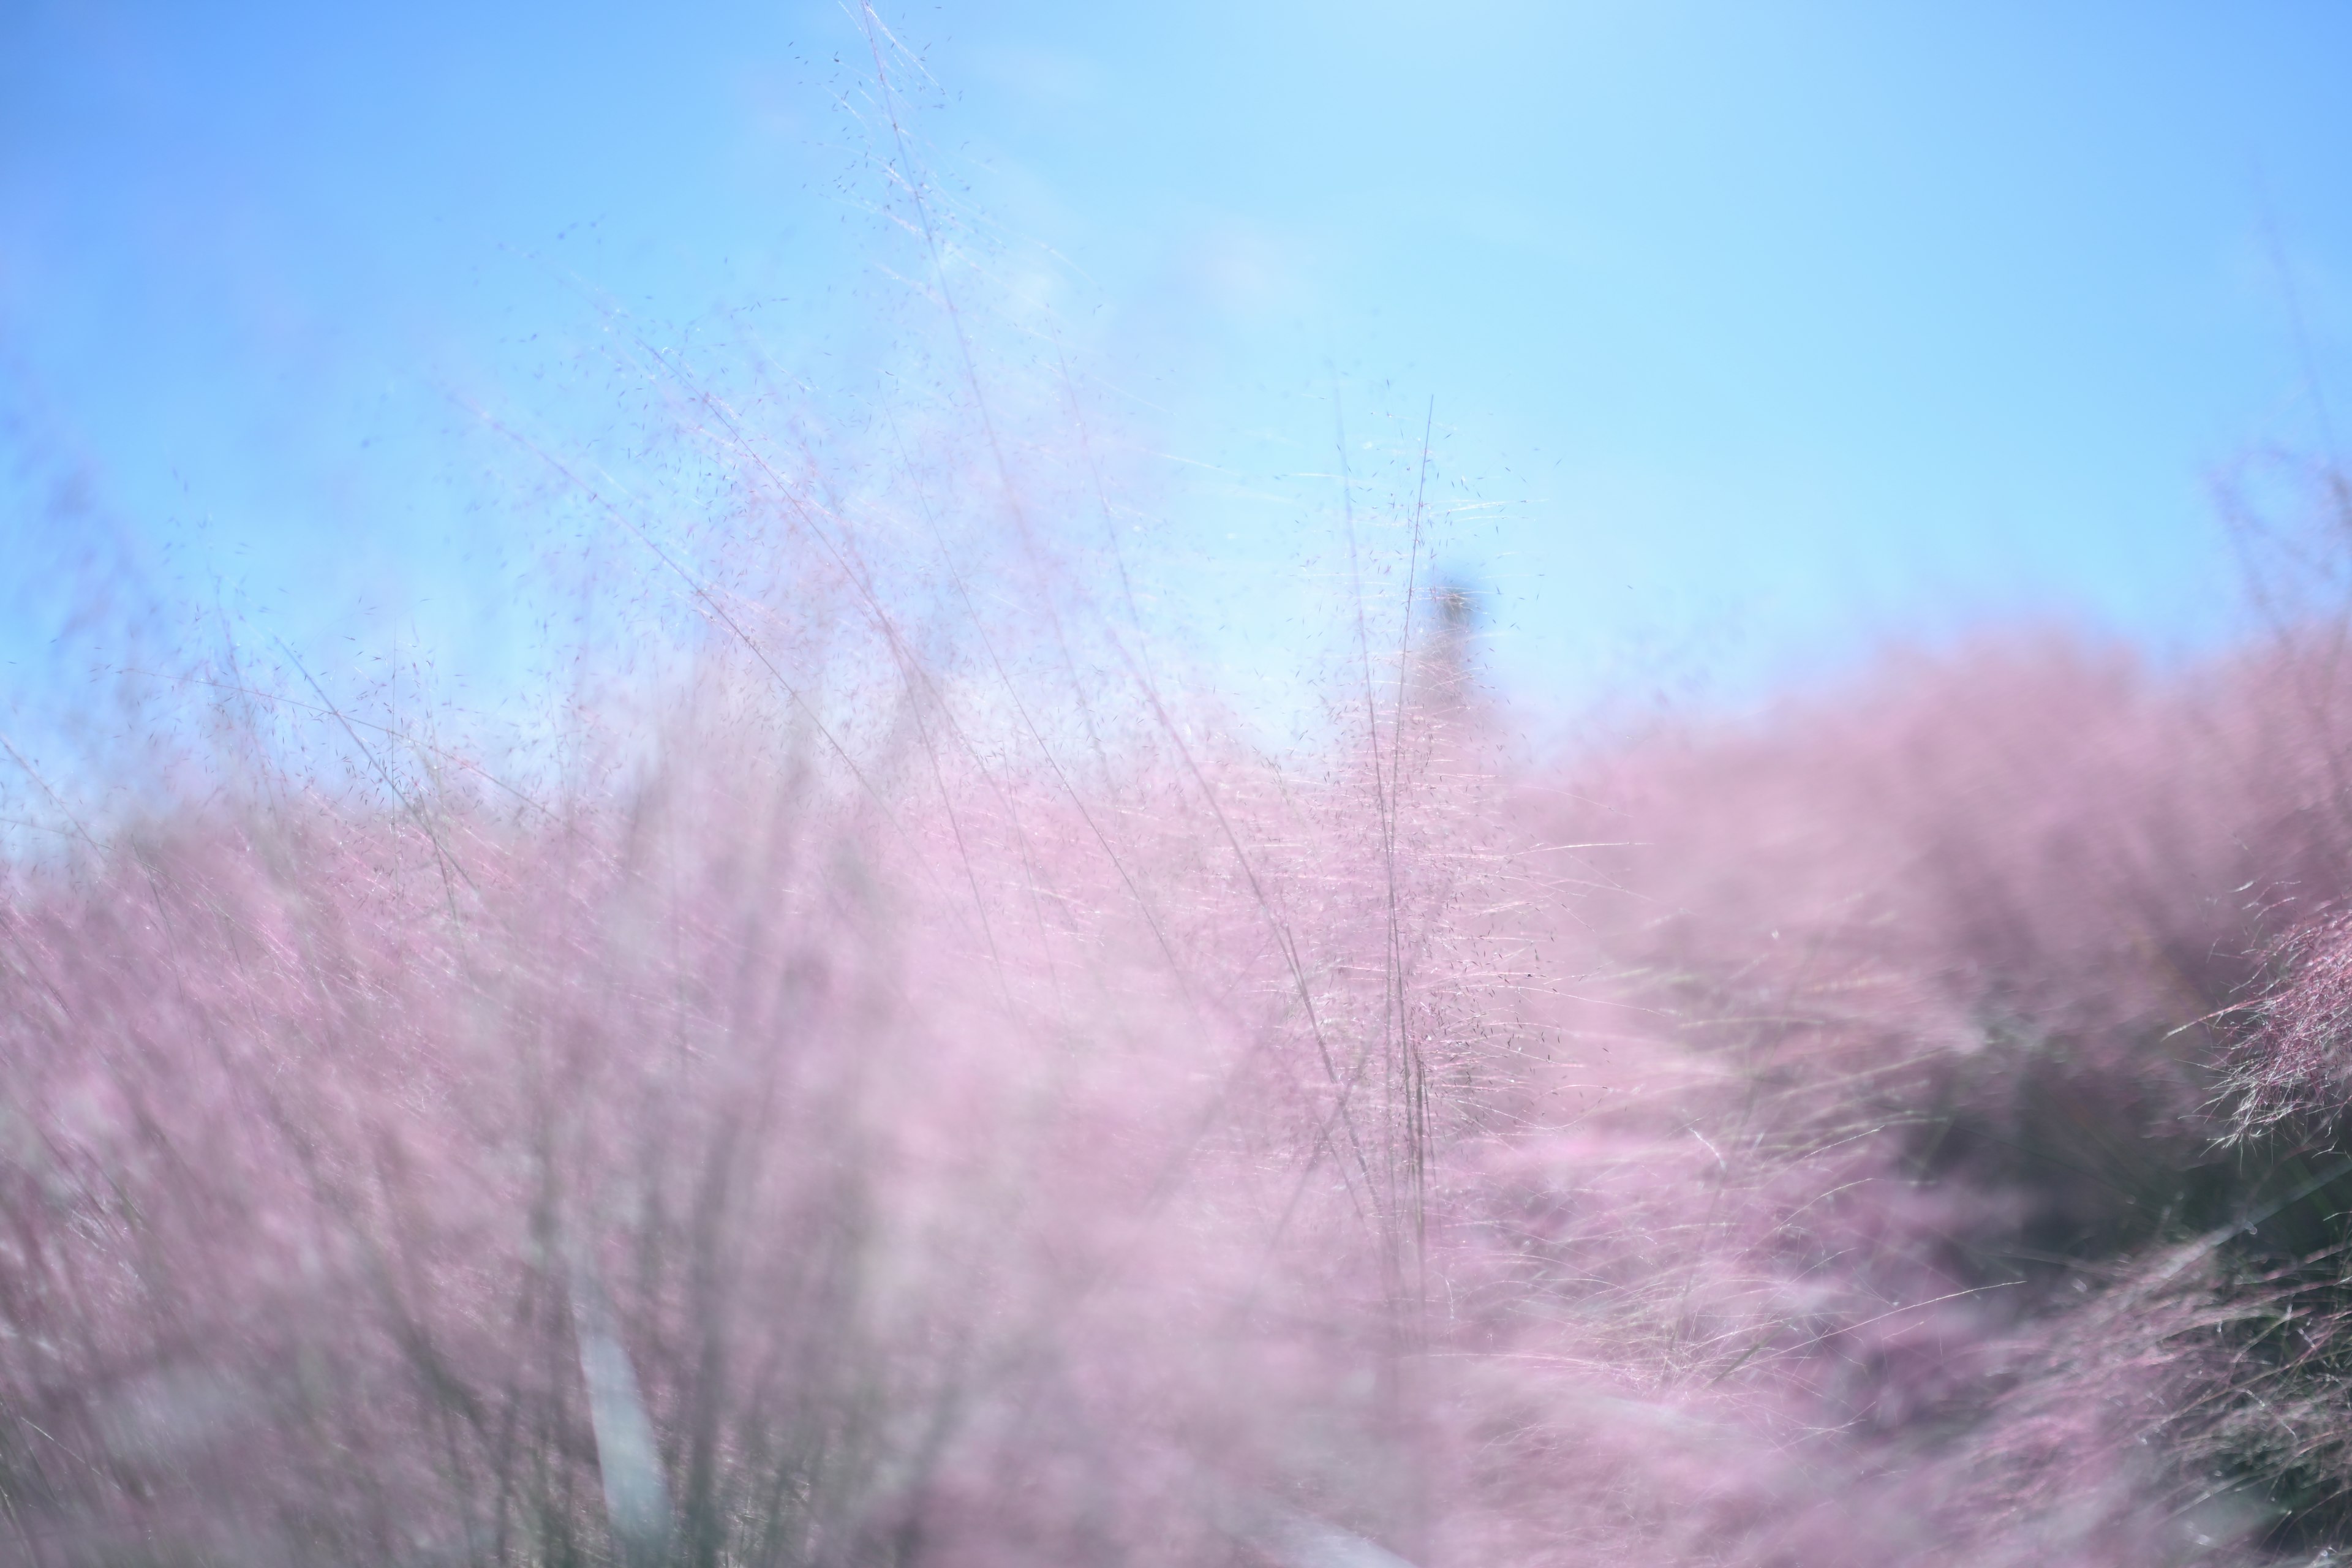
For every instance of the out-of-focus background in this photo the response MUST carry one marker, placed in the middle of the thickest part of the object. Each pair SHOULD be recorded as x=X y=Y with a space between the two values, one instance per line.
x=1753 y=335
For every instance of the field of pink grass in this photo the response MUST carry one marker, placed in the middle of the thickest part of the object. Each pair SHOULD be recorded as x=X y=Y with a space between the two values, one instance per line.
x=895 y=1071
x=887 y=1123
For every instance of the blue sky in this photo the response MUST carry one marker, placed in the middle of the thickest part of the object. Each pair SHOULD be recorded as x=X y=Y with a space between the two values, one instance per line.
x=1754 y=333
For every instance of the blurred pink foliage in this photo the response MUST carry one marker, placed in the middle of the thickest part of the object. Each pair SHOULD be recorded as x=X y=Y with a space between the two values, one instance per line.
x=1896 y=1128
x=904 y=1077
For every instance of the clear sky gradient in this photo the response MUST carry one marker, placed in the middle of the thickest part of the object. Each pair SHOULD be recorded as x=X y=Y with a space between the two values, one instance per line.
x=1765 y=330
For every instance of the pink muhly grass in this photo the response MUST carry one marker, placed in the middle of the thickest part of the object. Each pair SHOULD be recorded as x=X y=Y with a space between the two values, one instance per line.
x=732 y=1169
x=1889 y=1130
x=897 y=1074
x=2296 y=1054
